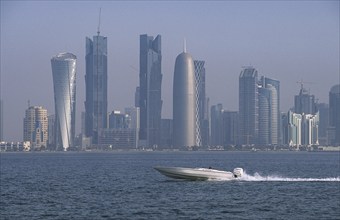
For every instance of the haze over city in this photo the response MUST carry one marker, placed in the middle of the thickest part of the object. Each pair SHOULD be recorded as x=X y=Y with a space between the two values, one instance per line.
x=287 y=41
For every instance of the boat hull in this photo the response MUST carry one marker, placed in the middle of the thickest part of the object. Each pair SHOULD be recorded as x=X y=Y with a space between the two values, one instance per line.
x=195 y=173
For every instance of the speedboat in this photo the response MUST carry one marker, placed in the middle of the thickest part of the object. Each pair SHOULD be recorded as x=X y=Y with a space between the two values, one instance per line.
x=199 y=173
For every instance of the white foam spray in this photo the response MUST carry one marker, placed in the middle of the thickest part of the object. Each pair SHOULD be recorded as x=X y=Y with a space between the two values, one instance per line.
x=259 y=178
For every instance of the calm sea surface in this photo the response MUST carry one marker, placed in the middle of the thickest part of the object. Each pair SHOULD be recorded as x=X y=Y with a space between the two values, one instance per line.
x=124 y=185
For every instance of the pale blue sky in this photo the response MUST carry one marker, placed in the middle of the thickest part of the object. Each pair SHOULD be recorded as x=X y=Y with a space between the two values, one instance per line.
x=285 y=40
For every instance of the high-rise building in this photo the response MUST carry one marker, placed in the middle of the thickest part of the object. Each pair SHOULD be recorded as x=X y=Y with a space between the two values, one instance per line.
x=302 y=129
x=304 y=103
x=166 y=133
x=216 y=119
x=123 y=130
x=96 y=86
x=36 y=127
x=309 y=129
x=269 y=115
x=118 y=120
x=294 y=129
x=230 y=128
x=51 y=132
x=184 y=102
x=64 y=83
x=1 y=121
x=334 y=116
x=150 y=91
x=200 y=101
x=137 y=97
x=248 y=106
x=323 y=122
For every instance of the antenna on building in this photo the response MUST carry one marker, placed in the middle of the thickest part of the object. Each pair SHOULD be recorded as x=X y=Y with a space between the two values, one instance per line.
x=184 y=45
x=29 y=103
x=100 y=12
x=301 y=82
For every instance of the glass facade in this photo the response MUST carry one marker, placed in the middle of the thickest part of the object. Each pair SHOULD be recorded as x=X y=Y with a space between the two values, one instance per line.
x=64 y=83
x=150 y=89
x=200 y=101
x=334 y=115
x=269 y=115
x=96 y=86
x=248 y=106
x=1 y=122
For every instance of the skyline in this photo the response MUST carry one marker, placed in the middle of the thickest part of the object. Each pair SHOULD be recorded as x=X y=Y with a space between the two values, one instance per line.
x=287 y=41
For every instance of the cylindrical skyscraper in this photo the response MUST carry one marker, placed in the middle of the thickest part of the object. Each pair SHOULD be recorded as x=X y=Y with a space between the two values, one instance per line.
x=64 y=83
x=184 y=95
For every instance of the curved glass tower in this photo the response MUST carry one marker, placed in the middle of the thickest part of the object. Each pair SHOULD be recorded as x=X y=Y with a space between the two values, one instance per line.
x=64 y=83
x=184 y=102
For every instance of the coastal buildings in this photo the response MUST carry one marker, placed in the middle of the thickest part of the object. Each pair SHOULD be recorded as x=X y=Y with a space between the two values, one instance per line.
x=64 y=83
x=184 y=102
x=224 y=127
x=333 y=132
x=96 y=86
x=36 y=127
x=248 y=106
x=149 y=92
x=123 y=130
x=1 y=121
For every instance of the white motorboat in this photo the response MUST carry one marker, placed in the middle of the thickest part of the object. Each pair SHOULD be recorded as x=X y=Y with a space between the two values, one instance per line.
x=199 y=173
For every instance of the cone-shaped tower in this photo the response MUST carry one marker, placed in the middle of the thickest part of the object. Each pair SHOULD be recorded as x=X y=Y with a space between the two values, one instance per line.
x=184 y=94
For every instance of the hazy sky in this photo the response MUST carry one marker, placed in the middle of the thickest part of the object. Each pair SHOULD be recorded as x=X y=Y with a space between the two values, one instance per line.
x=288 y=41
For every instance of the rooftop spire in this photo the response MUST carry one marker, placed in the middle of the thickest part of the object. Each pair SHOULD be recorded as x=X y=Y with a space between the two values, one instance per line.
x=184 y=45
x=98 y=31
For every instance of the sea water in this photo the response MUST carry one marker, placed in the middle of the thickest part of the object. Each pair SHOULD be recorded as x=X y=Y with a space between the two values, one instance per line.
x=124 y=185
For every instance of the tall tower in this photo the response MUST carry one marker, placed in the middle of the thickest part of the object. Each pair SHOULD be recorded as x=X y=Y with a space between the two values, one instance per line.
x=184 y=102
x=216 y=119
x=96 y=86
x=150 y=83
x=200 y=102
x=64 y=83
x=269 y=96
x=248 y=106
x=1 y=121
x=334 y=115
x=36 y=126
x=304 y=103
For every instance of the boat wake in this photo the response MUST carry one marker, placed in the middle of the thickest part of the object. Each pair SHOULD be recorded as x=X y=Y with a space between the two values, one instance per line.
x=275 y=178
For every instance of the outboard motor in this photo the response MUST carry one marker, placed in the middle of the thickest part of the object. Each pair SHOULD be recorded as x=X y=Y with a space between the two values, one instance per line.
x=238 y=172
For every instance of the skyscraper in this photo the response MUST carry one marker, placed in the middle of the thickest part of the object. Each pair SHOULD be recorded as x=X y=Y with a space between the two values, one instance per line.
x=184 y=102
x=269 y=115
x=36 y=127
x=334 y=115
x=96 y=86
x=248 y=106
x=230 y=128
x=1 y=121
x=304 y=102
x=216 y=137
x=200 y=101
x=294 y=131
x=64 y=83
x=323 y=109
x=150 y=82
